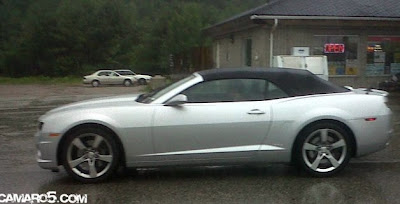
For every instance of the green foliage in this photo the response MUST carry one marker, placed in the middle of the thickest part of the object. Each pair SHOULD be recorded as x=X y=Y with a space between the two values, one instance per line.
x=69 y=37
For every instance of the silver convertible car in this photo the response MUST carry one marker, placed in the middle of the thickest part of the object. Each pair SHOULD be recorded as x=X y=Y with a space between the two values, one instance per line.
x=217 y=117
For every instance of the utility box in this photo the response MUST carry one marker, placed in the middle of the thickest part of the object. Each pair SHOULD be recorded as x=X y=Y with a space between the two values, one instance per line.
x=301 y=51
x=316 y=64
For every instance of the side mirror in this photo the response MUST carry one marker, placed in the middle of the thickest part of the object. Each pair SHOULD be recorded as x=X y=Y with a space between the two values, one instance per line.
x=177 y=100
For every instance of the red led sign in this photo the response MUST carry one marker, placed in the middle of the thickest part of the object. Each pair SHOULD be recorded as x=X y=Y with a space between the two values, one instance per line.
x=334 y=48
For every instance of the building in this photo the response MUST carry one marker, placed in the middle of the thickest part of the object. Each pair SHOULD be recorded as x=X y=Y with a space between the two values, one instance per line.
x=361 y=38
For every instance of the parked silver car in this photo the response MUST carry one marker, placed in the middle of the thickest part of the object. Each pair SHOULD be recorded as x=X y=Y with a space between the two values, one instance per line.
x=108 y=77
x=141 y=78
x=216 y=117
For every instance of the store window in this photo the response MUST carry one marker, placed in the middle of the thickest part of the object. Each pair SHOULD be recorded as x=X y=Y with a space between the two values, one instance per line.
x=383 y=55
x=341 y=51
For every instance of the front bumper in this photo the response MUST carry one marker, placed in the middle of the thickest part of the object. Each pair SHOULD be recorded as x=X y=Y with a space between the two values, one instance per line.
x=86 y=81
x=46 y=155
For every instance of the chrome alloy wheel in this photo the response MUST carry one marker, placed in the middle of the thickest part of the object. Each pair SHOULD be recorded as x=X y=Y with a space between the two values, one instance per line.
x=324 y=150
x=89 y=155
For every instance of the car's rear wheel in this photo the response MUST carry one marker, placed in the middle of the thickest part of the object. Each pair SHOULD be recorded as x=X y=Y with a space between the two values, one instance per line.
x=90 y=155
x=95 y=83
x=127 y=82
x=142 y=82
x=323 y=149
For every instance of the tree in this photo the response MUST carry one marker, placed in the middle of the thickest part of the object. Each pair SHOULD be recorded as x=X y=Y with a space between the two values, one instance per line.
x=68 y=37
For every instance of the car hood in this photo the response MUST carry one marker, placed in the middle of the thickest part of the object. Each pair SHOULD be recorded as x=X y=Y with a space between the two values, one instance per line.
x=143 y=76
x=97 y=103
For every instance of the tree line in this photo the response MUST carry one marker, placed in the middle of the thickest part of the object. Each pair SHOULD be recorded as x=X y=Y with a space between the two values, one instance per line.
x=73 y=37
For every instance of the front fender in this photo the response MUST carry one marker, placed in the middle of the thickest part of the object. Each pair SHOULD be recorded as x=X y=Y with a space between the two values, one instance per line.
x=62 y=123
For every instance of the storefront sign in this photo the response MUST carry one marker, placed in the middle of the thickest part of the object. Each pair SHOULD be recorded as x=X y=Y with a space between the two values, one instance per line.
x=334 y=48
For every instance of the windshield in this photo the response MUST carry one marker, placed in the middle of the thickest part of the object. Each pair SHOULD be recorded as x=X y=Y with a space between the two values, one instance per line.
x=125 y=73
x=157 y=93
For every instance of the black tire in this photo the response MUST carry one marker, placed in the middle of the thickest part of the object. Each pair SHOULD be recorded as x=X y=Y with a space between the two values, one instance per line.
x=142 y=82
x=95 y=83
x=127 y=82
x=80 y=151
x=323 y=149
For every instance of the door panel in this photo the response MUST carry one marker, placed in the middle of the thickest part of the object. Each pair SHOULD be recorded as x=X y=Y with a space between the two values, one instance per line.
x=210 y=130
x=115 y=79
x=103 y=77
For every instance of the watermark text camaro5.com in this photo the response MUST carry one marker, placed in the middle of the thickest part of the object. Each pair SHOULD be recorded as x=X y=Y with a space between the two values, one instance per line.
x=49 y=197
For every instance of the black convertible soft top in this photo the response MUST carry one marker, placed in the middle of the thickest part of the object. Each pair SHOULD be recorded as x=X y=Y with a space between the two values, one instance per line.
x=294 y=82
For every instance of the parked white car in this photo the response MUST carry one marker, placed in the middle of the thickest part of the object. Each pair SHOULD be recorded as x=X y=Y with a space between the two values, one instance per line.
x=141 y=78
x=108 y=77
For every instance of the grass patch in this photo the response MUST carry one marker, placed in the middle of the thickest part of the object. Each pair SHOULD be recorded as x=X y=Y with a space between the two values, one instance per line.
x=41 y=80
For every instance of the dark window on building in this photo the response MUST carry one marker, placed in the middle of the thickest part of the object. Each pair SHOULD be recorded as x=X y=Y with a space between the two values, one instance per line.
x=247 y=52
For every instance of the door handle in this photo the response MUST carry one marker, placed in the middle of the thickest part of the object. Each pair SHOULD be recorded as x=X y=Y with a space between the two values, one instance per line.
x=256 y=112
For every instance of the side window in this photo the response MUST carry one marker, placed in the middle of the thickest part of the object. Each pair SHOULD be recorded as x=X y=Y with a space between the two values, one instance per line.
x=104 y=74
x=274 y=92
x=231 y=90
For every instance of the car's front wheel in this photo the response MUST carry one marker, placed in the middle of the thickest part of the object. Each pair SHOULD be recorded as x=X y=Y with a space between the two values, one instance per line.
x=142 y=81
x=323 y=149
x=90 y=155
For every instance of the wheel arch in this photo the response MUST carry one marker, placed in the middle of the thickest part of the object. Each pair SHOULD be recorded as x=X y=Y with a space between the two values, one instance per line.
x=85 y=125
x=340 y=123
x=142 y=80
x=95 y=80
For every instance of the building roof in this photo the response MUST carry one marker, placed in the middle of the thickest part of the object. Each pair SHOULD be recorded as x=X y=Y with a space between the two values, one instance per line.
x=294 y=82
x=341 y=9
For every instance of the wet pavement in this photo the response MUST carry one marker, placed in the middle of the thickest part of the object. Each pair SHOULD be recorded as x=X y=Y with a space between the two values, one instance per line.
x=371 y=179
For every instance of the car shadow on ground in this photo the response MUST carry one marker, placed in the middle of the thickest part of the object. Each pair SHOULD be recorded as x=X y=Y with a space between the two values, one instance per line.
x=237 y=184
